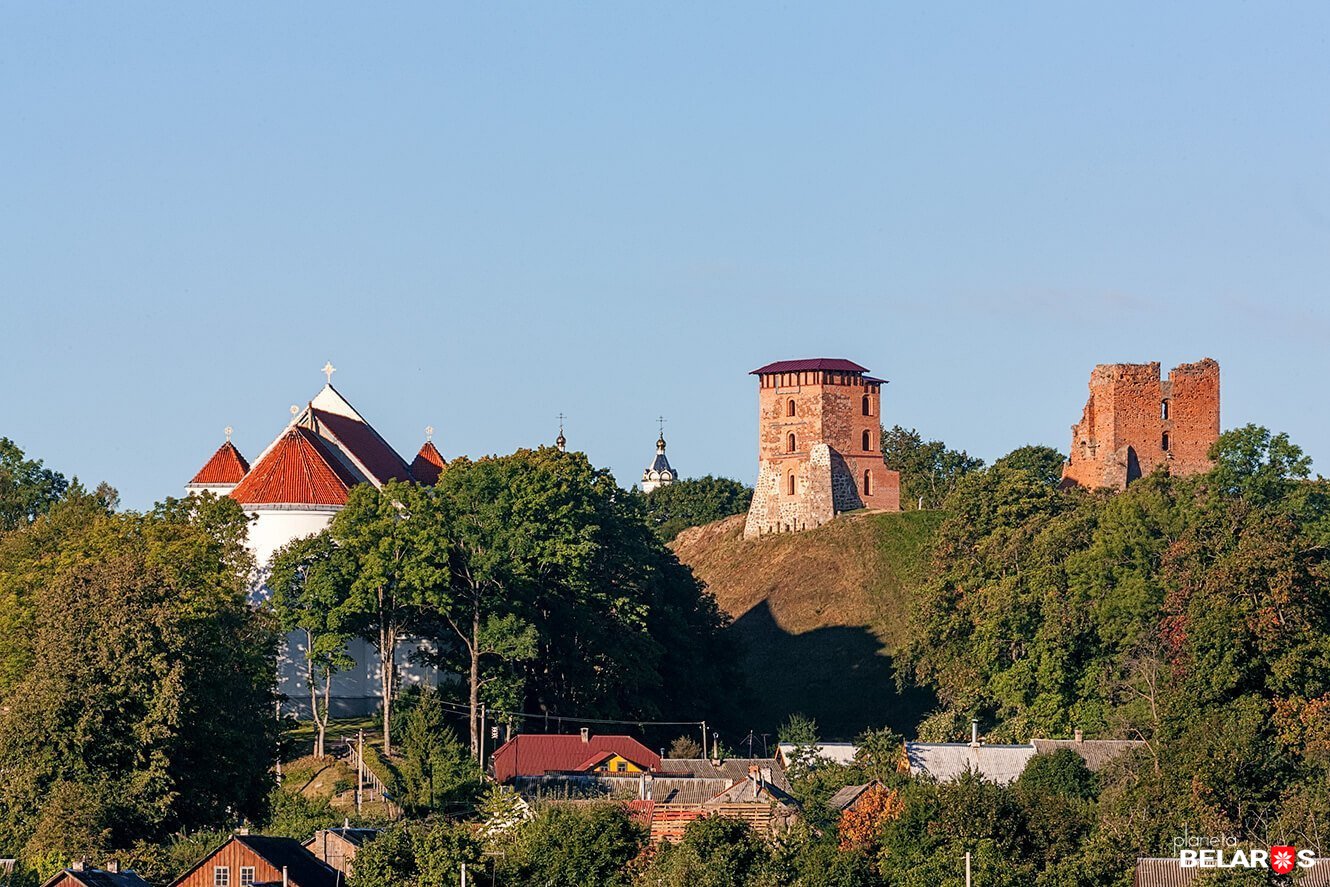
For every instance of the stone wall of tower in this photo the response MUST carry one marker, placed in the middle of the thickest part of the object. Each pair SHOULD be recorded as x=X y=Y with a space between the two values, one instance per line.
x=834 y=460
x=1134 y=423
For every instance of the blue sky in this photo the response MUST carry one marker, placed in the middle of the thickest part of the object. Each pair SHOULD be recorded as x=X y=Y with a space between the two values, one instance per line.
x=487 y=214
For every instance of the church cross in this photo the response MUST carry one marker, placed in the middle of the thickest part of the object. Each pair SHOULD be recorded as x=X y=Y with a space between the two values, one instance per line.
x=429 y=432
x=328 y=370
x=561 y=418
x=228 y=430
x=661 y=419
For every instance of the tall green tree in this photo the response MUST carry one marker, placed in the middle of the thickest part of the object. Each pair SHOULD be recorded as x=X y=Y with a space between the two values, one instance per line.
x=558 y=590
x=27 y=490
x=146 y=700
x=397 y=550
x=929 y=469
x=435 y=770
x=309 y=585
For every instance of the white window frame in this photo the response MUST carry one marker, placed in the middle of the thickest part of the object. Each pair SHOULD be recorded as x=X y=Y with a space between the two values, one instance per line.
x=247 y=876
x=221 y=876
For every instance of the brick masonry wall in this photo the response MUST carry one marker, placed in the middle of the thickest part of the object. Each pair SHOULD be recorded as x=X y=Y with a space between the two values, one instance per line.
x=830 y=459
x=1125 y=431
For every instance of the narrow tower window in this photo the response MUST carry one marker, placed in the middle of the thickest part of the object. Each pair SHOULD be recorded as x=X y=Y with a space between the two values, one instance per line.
x=791 y=483
x=789 y=407
x=789 y=443
x=868 y=483
x=868 y=441
x=1164 y=442
x=1163 y=411
x=867 y=411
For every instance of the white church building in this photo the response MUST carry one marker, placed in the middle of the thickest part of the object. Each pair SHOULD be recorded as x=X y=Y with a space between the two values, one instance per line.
x=292 y=490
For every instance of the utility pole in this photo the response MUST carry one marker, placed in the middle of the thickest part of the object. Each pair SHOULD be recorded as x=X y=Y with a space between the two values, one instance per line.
x=463 y=874
x=360 y=770
x=967 y=869
x=481 y=750
x=704 y=741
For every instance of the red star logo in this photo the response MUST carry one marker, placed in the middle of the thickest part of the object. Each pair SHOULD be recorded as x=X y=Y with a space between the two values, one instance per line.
x=1282 y=859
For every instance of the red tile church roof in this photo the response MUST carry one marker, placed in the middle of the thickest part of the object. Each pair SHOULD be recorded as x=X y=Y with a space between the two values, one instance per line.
x=364 y=443
x=226 y=466
x=835 y=364
x=297 y=470
x=428 y=464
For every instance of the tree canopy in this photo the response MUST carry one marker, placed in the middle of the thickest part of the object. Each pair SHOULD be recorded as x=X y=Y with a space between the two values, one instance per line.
x=693 y=502
x=139 y=693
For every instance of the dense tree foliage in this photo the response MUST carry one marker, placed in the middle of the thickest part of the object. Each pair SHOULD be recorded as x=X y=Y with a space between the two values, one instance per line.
x=929 y=470
x=693 y=502
x=138 y=694
x=435 y=772
x=420 y=854
x=27 y=490
x=588 y=845
x=1191 y=613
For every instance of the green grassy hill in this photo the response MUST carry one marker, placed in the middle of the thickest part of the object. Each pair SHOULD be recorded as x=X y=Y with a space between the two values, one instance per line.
x=818 y=615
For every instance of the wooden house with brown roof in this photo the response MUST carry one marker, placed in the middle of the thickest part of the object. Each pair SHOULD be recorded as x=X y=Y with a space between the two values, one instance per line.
x=260 y=861
x=80 y=874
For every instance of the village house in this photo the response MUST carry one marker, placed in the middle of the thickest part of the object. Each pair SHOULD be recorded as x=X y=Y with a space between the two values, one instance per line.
x=337 y=846
x=79 y=874
x=536 y=754
x=254 y=860
x=1003 y=764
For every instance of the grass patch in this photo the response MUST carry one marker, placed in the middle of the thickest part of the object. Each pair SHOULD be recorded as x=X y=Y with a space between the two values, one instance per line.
x=818 y=615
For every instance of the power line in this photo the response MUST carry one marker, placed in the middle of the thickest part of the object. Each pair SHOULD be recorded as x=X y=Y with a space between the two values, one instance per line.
x=466 y=708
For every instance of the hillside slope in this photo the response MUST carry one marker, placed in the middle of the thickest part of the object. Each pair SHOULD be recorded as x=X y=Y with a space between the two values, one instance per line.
x=817 y=615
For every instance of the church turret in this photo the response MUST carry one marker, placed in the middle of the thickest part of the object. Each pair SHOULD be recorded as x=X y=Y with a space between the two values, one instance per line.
x=429 y=462
x=561 y=442
x=222 y=472
x=659 y=473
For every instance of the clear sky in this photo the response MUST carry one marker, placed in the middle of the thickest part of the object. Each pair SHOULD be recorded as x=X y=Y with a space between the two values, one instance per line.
x=489 y=213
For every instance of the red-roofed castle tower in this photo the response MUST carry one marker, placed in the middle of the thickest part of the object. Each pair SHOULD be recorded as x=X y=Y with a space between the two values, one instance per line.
x=819 y=446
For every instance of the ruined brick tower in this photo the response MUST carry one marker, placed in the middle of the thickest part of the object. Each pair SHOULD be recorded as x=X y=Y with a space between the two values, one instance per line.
x=1134 y=423
x=819 y=446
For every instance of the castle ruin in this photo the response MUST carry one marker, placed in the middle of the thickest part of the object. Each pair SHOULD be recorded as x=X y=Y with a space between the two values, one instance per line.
x=1134 y=423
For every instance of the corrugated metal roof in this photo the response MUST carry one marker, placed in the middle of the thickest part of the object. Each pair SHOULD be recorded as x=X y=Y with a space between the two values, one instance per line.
x=1096 y=752
x=732 y=769
x=836 y=752
x=98 y=878
x=836 y=364
x=945 y=761
x=847 y=795
x=1168 y=872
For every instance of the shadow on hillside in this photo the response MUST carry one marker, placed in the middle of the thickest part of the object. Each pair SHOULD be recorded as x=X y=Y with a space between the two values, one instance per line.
x=841 y=676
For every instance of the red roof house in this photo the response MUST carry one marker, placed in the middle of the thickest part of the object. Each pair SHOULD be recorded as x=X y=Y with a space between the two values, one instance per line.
x=535 y=754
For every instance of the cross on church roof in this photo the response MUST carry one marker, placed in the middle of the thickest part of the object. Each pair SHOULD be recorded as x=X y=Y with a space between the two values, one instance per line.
x=429 y=432
x=328 y=370
x=228 y=431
